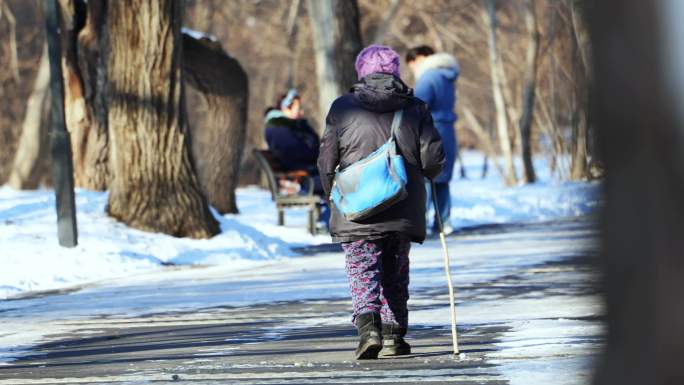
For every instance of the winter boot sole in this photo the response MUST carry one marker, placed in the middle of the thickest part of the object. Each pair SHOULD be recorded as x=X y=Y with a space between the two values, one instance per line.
x=394 y=344
x=391 y=351
x=369 y=350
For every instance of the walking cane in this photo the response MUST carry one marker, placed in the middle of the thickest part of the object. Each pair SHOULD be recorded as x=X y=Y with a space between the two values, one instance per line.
x=447 y=269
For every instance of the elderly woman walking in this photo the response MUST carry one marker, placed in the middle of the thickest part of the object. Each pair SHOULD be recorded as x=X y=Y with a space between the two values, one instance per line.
x=377 y=248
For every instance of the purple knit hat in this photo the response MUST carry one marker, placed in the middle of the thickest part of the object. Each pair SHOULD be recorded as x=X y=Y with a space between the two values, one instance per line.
x=377 y=58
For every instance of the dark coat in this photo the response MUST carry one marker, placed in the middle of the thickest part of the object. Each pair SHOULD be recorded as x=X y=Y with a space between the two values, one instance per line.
x=357 y=124
x=293 y=143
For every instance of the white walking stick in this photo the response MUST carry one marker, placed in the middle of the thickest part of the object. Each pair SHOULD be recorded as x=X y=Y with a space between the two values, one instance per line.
x=447 y=269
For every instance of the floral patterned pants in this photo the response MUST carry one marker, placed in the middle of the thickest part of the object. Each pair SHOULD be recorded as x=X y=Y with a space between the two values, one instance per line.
x=378 y=272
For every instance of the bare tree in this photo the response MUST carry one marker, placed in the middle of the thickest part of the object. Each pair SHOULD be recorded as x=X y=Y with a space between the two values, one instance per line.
x=489 y=17
x=153 y=184
x=528 y=97
x=33 y=143
x=93 y=171
x=76 y=107
x=580 y=123
x=387 y=18
x=21 y=44
x=218 y=120
x=260 y=37
x=337 y=41
x=291 y=33
x=14 y=61
x=484 y=139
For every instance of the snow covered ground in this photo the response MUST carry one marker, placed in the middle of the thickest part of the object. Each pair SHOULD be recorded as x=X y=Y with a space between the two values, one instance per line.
x=31 y=260
x=516 y=279
x=521 y=281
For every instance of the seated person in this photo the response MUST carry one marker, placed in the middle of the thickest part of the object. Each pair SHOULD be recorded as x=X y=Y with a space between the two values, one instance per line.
x=290 y=138
x=293 y=142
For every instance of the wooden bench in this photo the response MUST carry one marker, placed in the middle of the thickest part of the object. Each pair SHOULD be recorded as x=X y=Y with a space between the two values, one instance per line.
x=274 y=175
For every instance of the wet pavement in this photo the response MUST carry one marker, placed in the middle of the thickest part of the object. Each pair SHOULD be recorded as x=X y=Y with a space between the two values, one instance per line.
x=310 y=340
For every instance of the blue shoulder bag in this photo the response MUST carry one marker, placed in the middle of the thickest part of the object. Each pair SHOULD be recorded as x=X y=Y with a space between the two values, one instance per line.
x=372 y=184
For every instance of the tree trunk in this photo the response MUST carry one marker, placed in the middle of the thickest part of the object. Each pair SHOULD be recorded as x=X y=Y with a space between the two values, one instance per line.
x=549 y=103
x=501 y=113
x=579 y=167
x=33 y=143
x=641 y=133
x=530 y=82
x=218 y=130
x=93 y=172
x=153 y=185
x=337 y=41
x=76 y=110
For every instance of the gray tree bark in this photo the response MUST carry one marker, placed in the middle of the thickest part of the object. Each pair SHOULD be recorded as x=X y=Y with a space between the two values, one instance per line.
x=153 y=185
x=218 y=128
x=529 y=90
x=337 y=41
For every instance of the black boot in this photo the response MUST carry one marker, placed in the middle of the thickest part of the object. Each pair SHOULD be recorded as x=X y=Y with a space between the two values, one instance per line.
x=393 y=343
x=370 y=342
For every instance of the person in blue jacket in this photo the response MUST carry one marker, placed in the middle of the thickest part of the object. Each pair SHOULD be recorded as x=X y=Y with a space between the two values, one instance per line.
x=290 y=138
x=293 y=142
x=436 y=75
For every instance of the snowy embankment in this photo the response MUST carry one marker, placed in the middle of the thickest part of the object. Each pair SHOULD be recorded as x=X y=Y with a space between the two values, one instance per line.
x=31 y=259
x=477 y=201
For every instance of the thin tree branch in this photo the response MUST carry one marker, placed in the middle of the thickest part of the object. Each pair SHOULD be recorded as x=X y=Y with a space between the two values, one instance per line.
x=579 y=36
x=386 y=22
x=485 y=141
x=14 y=58
x=439 y=43
x=456 y=39
x=292 y=39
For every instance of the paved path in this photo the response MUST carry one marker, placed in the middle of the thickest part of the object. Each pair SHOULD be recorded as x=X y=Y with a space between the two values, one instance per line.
x=285 y=342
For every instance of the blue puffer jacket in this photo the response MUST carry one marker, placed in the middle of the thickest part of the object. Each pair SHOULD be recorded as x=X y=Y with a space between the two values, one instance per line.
x=436 y=86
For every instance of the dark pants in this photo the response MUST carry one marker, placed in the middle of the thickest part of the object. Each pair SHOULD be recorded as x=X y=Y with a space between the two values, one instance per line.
x=378 y=273
x=443 y=201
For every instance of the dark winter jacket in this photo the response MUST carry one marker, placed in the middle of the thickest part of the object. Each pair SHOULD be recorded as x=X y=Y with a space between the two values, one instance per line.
x=435 y=85
x=357 y=124
x=292 y=142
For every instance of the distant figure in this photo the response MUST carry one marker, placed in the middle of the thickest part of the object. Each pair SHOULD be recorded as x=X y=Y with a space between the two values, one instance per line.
x=436 y=75
x=377 y=249
x=290 y=138
x=294 y=143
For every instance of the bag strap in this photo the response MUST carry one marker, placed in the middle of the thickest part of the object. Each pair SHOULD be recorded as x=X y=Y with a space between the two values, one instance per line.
x=396 y=122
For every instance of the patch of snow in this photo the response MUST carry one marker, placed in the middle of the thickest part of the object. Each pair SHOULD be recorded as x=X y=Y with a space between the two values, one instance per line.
x=513 y=309
x=107 y=249
x=32 y=260
x=555 y=370
x=477 y=201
